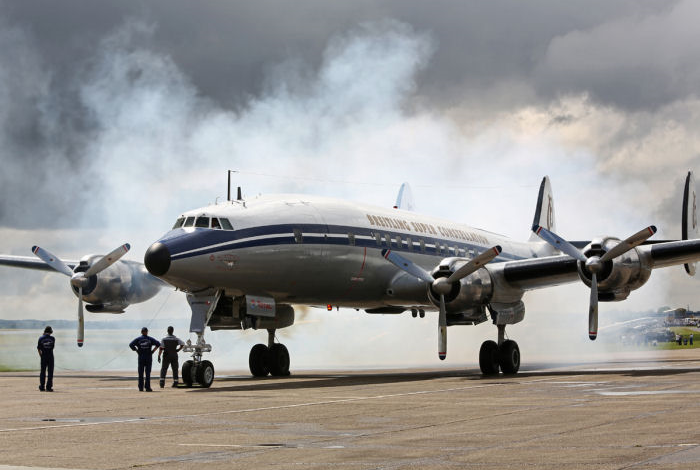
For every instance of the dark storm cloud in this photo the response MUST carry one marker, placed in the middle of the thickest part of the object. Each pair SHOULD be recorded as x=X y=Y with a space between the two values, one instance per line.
x=220 y=56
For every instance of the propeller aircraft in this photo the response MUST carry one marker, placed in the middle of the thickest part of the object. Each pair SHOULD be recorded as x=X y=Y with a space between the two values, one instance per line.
x=245 y=263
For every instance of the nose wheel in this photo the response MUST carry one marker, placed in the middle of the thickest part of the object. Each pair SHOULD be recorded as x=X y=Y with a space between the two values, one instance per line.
x=504 y=355
x=272 y=358
x=196 y=370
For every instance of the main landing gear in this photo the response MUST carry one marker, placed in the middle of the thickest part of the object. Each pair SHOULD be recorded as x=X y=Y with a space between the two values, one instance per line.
x=504 y=355
x=196 y=370
x=272 y=358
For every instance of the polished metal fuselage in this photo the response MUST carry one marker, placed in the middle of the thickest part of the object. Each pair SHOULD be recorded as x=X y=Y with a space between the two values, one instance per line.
x=321 y=251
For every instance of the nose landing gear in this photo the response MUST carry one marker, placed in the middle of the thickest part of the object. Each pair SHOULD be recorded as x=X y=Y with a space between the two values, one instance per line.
x=272 y=358
x=196 y=370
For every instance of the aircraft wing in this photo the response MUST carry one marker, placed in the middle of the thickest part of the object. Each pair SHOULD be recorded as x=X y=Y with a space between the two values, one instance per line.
x=30 y=262
x=534 y=273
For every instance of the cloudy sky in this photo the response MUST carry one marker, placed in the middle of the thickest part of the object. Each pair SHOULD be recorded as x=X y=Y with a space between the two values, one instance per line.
x=116 y=116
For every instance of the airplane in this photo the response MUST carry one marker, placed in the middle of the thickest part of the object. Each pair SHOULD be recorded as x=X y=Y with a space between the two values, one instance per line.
x=245 y=263
x=106 y=283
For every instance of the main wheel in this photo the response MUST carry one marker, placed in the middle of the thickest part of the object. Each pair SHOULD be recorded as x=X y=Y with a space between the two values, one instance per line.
x=205 y=374
x=509 y=357
x=187 y=375
x=488 y=358
x=278 y=360
x=257 y=361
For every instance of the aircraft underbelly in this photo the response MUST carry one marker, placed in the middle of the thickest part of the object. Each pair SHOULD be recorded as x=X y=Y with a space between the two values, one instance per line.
x=305 y=273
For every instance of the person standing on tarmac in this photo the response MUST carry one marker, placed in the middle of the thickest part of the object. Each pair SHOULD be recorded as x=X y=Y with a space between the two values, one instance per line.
x=172 y=345
x=45 y=348
x=142 y=346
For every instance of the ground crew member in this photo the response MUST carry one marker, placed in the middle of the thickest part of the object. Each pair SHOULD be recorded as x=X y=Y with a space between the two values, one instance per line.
x=171 y=345
x=45 y=348
x=142 y=345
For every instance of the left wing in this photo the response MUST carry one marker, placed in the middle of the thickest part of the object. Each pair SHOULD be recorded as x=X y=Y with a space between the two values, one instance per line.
x=30 y=262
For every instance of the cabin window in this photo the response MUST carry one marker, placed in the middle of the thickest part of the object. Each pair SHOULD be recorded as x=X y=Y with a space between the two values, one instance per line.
x=297 y=236
x=215 y=223
x=189 y=222
x=178 y=223
x=351 y=239
x=225 y=223
x=387 y=240
x=202 y=222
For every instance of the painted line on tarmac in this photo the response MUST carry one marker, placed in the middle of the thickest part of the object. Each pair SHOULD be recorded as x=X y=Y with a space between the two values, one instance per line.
x=253 y=410
x=16 y=467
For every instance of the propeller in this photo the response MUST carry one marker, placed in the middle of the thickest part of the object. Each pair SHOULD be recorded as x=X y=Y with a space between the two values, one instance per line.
x=81 y=279
x=594 y=264
x=442 y=285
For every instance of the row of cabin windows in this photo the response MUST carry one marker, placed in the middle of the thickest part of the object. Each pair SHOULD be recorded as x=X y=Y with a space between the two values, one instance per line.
x=386 y=240
x=217 y=223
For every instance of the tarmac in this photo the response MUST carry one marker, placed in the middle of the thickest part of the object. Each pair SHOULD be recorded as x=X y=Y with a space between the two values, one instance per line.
x=635 y=412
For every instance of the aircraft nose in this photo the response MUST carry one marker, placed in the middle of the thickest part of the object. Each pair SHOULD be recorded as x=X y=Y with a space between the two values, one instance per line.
x=157 y=259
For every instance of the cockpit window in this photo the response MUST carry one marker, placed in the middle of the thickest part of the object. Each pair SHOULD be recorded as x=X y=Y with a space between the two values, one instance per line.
x=202 y=222
x=215 y=223
x=189 y=222
x=178 y=223
x=225 y=224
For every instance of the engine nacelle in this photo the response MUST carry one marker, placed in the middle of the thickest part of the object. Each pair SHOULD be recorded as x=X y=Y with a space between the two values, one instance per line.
x=116 y=287
x=619 y=276
x=471 y=293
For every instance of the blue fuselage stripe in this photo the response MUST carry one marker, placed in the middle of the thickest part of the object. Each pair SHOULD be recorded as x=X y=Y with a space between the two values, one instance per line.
x=185 y=244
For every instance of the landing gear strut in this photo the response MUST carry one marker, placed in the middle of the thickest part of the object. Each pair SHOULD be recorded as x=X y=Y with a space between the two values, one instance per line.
x=504 y=355
x=272 y=358
x=195 y=369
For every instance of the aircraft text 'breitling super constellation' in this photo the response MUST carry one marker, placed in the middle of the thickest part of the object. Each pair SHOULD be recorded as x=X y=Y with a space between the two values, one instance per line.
x=245 y=263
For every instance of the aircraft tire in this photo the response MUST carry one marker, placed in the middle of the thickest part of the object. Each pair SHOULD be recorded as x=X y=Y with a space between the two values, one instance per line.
x=278 y=360
x=187 y=376
x=257 y=360
x=205 y=374
x=488 y=358
x=509 y=357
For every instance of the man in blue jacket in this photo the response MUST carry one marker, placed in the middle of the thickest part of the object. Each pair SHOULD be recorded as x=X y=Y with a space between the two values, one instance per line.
x=45 y=348
x=143 y=345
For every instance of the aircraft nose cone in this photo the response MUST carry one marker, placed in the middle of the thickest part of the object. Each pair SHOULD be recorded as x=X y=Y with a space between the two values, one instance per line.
x=157 y=259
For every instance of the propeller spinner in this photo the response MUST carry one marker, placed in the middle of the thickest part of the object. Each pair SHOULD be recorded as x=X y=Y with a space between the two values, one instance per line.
x=594 y=264
x=81 y=280
x=442 y=285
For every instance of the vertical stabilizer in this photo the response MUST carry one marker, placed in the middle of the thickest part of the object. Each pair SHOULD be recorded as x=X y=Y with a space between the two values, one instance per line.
x=689 y=221
x=544 y=211
x=404 y=200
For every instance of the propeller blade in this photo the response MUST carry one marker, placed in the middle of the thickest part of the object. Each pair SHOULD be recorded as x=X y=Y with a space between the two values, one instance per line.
x=475 y=263
x=405 y=265
x=593 y=309
x=107 y=260
x=53 y=261
x=81 y=320
x=442 y=330
x=626 y=245
x=557 y=242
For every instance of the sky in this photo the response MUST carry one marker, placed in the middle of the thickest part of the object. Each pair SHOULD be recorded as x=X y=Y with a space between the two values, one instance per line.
x=115 y=117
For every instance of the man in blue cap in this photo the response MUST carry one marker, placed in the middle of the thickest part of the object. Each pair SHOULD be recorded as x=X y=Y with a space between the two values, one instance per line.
x=143 y=345
x=45 y=348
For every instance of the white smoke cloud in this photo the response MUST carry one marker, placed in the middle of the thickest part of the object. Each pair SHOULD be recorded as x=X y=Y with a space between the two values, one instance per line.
x=158 y=147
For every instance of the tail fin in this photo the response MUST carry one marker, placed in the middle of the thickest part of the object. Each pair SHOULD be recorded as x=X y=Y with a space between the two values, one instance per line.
x=689 y=221
x=544 y=211
x=404 y=200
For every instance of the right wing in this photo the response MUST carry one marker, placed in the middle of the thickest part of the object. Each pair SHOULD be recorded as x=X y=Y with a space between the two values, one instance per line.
x=30 y=262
